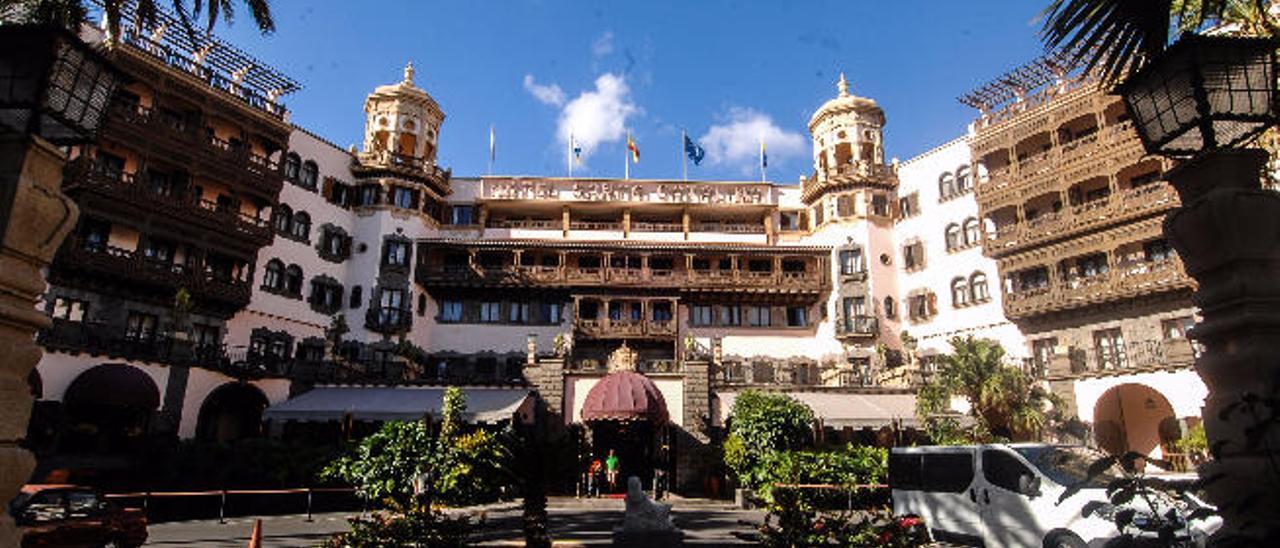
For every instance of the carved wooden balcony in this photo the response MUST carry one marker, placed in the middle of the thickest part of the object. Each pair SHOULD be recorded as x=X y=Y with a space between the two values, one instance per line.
x=1122 y=281
x=1134 y=203
x=1132 y=357
x=627 y=328
x=160 y=280
x=860 y=326
x=554 y=276
x=137 y=190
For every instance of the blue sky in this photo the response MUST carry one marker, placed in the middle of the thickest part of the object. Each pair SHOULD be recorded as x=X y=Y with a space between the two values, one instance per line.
x=725 y=71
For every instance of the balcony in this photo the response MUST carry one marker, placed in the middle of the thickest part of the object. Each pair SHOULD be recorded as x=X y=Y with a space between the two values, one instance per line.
x=113 y=341
x=624 y=328
x=380 y=162
x=184 y=143
x=137 y=190
x=807 y=281
x=1123 y=281
x=857 y=326
x=163 y=279
x=1132 y=357
x=854 y=172
x=1134 y=203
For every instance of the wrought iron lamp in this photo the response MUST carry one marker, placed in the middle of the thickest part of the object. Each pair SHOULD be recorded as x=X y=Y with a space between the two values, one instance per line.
x=52 y=84
x=1205 y=93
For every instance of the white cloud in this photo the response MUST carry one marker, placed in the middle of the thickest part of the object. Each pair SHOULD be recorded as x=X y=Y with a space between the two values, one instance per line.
x=549 y=94
x=737 y=140
x=603 y=45
x=598 y=115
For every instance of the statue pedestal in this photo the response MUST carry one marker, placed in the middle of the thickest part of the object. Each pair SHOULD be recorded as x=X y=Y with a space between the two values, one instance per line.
x=646 y=523
x=647 y=539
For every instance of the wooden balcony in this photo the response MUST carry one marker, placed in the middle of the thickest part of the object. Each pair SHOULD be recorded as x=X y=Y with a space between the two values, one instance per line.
x=1121 y=282
x=158 y=281
x=385 y=162
x=184 y=143
x=1133 y=357
x=1135 y=203
x=680 y=279
x=135 y=191
x=843 y=176
x=854 y=327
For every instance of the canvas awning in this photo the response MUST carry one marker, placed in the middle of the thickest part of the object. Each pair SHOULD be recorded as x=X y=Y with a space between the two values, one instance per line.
x=838 y=410
x=384 y=403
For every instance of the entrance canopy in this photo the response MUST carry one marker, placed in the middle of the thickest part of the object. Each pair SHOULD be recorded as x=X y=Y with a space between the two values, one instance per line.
x=625 y=396
x=385 y=403
x=839 y=410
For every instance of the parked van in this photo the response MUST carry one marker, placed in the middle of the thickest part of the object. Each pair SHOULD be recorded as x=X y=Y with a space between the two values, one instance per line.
x=1007 y=495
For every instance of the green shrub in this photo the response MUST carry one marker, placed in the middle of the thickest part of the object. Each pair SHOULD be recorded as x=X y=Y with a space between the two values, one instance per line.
x=383 y=465
x=851 y=465
x=417 y=528
x=764 y=423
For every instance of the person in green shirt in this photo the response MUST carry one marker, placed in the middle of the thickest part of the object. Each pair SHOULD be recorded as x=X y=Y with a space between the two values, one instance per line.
x=611 y=464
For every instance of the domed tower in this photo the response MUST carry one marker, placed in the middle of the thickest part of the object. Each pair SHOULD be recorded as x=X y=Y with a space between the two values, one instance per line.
x=401 y=136
x=848 y=146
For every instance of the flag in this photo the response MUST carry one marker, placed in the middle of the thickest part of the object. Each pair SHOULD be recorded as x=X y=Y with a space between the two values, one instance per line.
x=635 y=150
x=764 y=157
x=695 y=152
x=576 y=148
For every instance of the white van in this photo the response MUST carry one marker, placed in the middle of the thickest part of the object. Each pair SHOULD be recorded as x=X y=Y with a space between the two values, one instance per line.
x=1007 y=495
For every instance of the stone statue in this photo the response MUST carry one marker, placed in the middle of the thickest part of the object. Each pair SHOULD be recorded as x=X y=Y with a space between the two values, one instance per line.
x=646 y=523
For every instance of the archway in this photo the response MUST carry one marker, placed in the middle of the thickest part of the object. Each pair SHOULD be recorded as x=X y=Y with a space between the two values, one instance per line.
x=1129 y=417
x=109 y=409
x=231 y=412
x=627 y=414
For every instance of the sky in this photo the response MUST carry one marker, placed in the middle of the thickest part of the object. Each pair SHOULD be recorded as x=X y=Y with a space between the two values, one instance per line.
x=726 y=72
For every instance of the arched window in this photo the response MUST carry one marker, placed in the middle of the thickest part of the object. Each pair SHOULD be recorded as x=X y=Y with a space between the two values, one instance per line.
x=946 y=186
x=273 y=276
x=292 y=165
x=953 y=237
x=963 y=181
x=310 y=173
x=293 y=280
x=301 y=225
x=959 y=292
x=283 y=218
x=890 y=308
x=978 y=286
x=972 y=236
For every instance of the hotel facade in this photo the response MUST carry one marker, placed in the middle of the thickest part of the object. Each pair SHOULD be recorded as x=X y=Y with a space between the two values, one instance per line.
x=233 y=275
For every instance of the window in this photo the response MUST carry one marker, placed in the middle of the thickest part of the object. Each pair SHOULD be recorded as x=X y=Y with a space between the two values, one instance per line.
x=404 y=197
x=972 y=235
x=978 y=287
x=1003 y=470
x=913 y=256
x=301 y=226
x=450 y=311
x=273 y=275
x=518 y=312
x=72 y=310
x=293 y=280
x=959 y=292
x=963 y=181
x=731 y=315
x=158 y=250
x=110 y=165
x=83 y=504
x=844 y=206
x=797 y=316
x=1157 y=250
x=292 y=166
x=879 y=205
x=1042 y=351
x=96 y=234
x=946 y=186
x=700 y=315
x=789 y=220
x=759 y=316
x=909 y=206
x=818 y=218
x=368 y=195
x=140 y=326
x=946 y=472
x=661 y=311
x=1110 y=347
x=954 y=239
x=282 y=218
x=490 y=312
x=1035 y=278
x=922 y=306
x=850 y=262
x=326 y=295
x=1176 y=328
x=550 y=312
x=205 y=335
x=310 y=173
x=422 y=304
x=391 y=304
x=357 y=297
x=463 y=215
x=337 y=192
x=395 y=253
x=890 y=308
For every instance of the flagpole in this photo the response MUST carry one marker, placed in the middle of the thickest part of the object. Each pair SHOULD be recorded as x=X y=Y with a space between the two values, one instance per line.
x=684 y=138
x=491 y=149
x=626 y=158
x=762 y=166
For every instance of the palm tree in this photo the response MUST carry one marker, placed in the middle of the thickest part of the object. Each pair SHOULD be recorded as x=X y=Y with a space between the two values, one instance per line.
x=70 y=13
x=1003 y=399
x=1115 y=38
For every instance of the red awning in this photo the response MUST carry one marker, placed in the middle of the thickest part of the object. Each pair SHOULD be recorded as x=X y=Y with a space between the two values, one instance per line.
x=625 y=396
x=114 y=385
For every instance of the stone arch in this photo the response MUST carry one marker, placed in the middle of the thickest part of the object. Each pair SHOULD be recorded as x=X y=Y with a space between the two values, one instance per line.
x=109 y=408
x=1129 y=416
x=231 y=412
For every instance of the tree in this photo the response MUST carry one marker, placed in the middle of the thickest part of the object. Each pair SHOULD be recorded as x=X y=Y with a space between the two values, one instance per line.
x=1005 y=402
x=70 y=13
x=1117 y=37
x=762 y=423
x=384 y=465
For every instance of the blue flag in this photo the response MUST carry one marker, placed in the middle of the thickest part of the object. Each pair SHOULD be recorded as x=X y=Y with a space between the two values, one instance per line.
x=695 y=152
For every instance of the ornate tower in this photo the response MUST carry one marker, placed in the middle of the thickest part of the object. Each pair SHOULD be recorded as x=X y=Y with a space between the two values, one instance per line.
x=401 y=137
x=846 y=131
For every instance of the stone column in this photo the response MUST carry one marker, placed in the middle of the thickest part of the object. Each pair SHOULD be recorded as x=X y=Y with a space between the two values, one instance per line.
x=34 y=218
x=1227 y=233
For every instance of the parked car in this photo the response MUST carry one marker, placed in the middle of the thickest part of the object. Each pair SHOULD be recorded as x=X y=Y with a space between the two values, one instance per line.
x=1008 y=495
x=69 y=516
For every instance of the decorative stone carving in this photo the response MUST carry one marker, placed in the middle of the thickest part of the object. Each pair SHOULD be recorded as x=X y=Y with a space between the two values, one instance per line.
x=645 y=523
x=623 y=359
